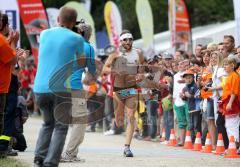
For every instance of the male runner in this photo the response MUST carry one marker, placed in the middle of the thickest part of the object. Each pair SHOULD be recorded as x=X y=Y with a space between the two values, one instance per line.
x=125 y=80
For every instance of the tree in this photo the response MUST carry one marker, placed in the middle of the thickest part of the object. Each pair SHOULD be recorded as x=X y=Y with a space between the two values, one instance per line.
x=201 y=12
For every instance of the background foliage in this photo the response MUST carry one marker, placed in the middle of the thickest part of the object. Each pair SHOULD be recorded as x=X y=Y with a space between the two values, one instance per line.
x=201 y=12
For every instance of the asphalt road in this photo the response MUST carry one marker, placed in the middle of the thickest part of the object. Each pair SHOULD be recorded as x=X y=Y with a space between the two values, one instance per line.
x=107 y=151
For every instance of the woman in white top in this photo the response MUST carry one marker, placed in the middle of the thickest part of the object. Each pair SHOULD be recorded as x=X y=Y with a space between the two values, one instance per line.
x=216 y=62
x=216 y=59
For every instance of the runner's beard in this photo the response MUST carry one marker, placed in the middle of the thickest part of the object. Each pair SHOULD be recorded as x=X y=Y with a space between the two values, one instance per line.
x=127 y=47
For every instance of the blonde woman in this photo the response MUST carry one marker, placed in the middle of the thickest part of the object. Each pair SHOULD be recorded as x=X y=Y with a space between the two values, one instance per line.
x=216 y=63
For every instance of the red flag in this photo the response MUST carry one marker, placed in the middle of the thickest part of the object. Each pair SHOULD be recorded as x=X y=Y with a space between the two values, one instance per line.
x=179 y=25
x=35 y=20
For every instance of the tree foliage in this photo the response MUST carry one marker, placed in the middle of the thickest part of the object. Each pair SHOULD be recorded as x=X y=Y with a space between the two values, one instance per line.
x=201 y=12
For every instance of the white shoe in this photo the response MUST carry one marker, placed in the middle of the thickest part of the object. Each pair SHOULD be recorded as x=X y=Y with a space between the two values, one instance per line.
x=164 y=142
x=109 y=132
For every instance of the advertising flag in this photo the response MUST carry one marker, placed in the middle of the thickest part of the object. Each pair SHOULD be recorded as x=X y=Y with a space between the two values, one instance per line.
x=113 y=22
x=34 y=18
x=237 y=19
x=179 y=25
x=145 y=20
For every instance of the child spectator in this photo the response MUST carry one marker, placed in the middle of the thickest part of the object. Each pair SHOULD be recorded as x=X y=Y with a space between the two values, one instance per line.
x=231 y=99
x=188 y=95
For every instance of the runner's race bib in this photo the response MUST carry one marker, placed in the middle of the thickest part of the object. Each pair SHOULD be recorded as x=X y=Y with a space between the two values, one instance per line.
x=126 y=93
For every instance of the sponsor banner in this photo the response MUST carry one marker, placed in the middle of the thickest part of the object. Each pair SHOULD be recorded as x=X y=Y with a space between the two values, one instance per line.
x=35 y=20
x=237 y=19
x=145 y=21
x=179 y=25
x=10 y=7
x=113 y=22
x=52 y=14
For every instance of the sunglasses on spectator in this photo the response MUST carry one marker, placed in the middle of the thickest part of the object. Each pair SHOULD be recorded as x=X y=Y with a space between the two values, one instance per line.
x=127 y=39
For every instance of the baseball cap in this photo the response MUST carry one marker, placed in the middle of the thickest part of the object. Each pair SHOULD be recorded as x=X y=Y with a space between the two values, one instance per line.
x=188 y=72
x=167 y=55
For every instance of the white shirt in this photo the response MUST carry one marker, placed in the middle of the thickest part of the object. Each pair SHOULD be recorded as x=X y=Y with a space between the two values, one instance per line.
x=216 y=78
x=177 y=89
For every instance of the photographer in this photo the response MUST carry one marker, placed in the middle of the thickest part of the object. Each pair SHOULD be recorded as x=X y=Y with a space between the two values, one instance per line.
x=80 y=96
x=58 y=46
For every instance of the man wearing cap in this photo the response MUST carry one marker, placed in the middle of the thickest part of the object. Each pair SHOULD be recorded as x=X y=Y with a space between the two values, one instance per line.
x=79 y=103
x=167 y=59
x=127 y=79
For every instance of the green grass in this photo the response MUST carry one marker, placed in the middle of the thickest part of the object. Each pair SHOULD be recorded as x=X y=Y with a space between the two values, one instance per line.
x=10 y=162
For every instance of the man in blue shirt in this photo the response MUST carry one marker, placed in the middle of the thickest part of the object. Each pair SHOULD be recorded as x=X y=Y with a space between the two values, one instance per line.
x=58 y=47
x=79 y=105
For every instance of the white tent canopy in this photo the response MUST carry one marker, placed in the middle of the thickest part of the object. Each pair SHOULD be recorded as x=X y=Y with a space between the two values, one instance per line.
x=200 y=35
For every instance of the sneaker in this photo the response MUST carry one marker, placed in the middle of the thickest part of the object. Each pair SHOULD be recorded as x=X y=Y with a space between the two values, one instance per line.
x=109 y=132
x=67 y=157
x=138 y=137
x=3 y=154
x=12 y=152
x=156 y=139
x=164 y=142
x=90 y=129
x=38 y=163
x=127 y=152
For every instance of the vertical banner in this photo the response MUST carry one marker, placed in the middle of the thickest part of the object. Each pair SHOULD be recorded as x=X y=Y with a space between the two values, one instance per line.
x=10 y=8
x=52 y=14
x=113 y=22
x=87 y=4
x=179 y=25
x=237 y=19
x=145 y=21
x=84 y=14
x=35 y=20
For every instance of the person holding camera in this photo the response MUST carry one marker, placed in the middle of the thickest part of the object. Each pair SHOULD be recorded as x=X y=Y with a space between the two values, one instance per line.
x=206 y=95
x=79 y=96
x=58 y=47
x=125 y=78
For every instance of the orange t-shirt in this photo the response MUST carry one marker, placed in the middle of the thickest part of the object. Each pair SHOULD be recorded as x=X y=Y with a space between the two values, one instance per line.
x=93 y=88
x=206 y=77
x=231 y=85
x=6 y=55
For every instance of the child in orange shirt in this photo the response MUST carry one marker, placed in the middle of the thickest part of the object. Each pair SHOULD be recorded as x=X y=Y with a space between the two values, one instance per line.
x=230 y=99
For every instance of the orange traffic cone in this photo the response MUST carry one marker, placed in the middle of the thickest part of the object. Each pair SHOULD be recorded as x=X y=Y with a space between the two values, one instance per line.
x=198 y=143
x=220 y=146
x=188 y=141
x=232 y=151
x=208 y=144
x=163 y=138
x=172 y=140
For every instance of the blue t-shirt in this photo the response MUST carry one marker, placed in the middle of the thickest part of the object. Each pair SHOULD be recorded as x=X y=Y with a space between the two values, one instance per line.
x=76 y=78
x=191 y=89
x=57 y=50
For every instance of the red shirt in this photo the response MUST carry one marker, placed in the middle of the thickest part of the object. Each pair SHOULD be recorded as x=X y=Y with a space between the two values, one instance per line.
x=32 y=74
x=25 y=78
